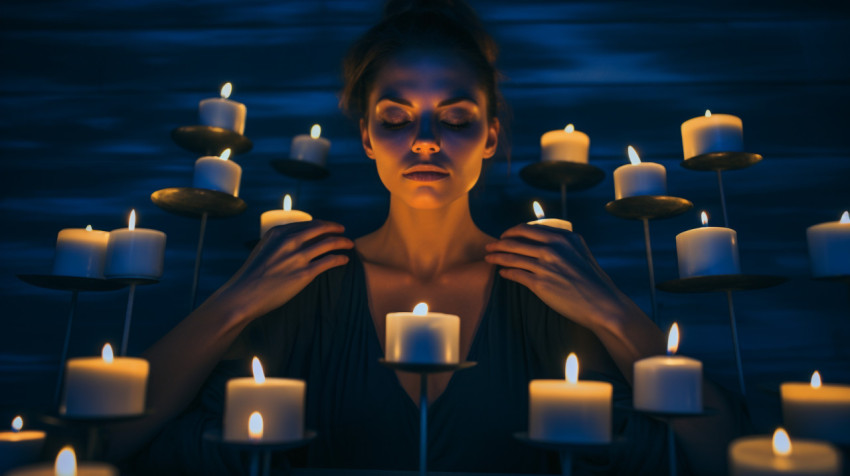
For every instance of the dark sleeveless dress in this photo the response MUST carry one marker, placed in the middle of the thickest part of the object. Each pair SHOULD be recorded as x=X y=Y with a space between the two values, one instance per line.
x=365 y=419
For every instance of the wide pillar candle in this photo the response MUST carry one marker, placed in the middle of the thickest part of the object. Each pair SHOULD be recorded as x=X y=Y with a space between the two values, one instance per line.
x=273 y=218
x=570 y=411
x=668 y=384
x=222 y=112
x=66 y=465
x=707 y=251
x=423 y=337
x=280 y=401
x=712 y=133
x=551 y=222
x=756 y=456
x=816 y=410
x=105 y=386
x=135 y=252
x=639 y=178
x=218 y=173
x=310 y=148
x=567 y=144
x=80 y=252
x=19 y=446
x=829 y=247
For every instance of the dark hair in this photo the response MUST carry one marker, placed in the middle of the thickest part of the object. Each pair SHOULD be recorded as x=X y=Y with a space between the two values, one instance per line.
x=449 y=25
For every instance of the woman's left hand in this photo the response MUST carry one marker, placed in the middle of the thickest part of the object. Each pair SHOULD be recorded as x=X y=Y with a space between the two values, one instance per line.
x=558 y=267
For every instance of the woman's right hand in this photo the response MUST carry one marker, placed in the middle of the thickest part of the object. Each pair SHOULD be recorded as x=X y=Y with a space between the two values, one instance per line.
x=284 y=262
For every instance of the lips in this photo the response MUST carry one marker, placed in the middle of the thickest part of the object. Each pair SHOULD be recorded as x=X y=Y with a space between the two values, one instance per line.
x=425 y=173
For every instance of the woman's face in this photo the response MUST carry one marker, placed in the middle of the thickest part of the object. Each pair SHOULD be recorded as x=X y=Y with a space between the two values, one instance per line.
x=427 y=128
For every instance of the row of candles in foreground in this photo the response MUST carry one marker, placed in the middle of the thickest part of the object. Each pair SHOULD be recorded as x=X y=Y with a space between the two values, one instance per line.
x=261 y=409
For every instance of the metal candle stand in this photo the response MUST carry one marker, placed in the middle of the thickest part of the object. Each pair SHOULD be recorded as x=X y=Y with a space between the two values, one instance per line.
x=209 y=140
x=423 y=370
x=566 y=451
x=645 y=208
x=128 y=314
x=75 y=285
x=724 y=283
x=718 y=162
x=92 y=426
x=560 y=175
x=259 y=450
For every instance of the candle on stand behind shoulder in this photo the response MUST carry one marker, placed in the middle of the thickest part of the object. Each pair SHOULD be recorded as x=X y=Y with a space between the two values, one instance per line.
x=218 y=173
x=552 y=222
x=273 y=218
x=422 y=337
x=671 y=384
x=712 y=133
x=66 y=465
x=707 y=251
x=310 y=148
x=779 y=455
x=817 y=410
x=829 y=247
x=105 y=386
x=135 y=252
x=639 y=178
x=80 y=252
x=222 y=112
x=19 y=446
x=567 y=145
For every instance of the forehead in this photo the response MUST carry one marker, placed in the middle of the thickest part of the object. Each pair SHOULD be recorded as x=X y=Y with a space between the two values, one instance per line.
x=420 y=74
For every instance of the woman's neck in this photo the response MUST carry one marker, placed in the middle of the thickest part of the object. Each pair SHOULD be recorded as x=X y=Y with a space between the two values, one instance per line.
x=426 y=243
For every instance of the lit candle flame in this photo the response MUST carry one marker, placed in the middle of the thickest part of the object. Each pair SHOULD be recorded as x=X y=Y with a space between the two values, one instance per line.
x=816 y=382
x=704 y=218
x=707 y=113
x=570 y=128
x=107 y=354
x=257 y=367
x=132 y=223
x=315 y=131
x=633 y=156
x=673 y=339
x=781 y=442
x=226 y=90
x=420 y=309
x=287 y=202
x=845 y=217
x=255 y=426
x=538 y=210
x=571 y=368
x=225 y=155
x=66 y=462
x=17 y=423
x=88 y=228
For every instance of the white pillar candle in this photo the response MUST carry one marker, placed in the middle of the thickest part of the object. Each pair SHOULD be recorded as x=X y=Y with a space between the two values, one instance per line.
x=66 y=465
x=567 y=144
x=707 y=251
x=712 y=133
x=570 y=411
x=273 y=218
x=670 y=384
x=829 y=247
x=279 y=401
x=19 y=447
x=816 y=410
x=310 y=148
x=80 y=252
x=105 y=386
x=639 y=178
x=779 y=455
x=135 y=252
x=553 y=222
x=222 y=112
x=423 y=337
x=218 y=173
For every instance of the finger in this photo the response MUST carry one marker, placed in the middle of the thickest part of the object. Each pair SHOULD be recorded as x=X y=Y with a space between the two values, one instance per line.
x=326 y=245
x=309 y=231
x=323 y=264
x=525 y=278
x=541 y=234
x=510 y=260
x=524 y=248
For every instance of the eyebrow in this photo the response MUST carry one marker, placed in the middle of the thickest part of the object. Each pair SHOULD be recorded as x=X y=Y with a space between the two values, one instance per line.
x=446 y=102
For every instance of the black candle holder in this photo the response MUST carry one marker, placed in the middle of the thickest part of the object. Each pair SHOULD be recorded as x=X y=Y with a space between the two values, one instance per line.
x=92 y=425
x=210 y=140
x=565 y=450
x=559 y=175
x=259 y=450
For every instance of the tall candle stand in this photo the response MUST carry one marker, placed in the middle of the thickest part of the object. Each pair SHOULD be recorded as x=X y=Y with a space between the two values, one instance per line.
x=209 y=140
x=198 y=203
x=719 y=162
x=75 y=285
x=566 y=451
x=726 y=283
x=424 y=370
x=561 y=176
x=260 y=451
x=645 y=208
x=128 y=314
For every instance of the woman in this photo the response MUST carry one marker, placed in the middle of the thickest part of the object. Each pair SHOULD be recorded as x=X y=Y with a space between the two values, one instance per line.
x=311 y=302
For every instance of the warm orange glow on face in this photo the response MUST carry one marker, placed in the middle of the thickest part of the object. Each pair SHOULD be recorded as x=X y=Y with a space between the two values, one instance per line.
x=571 y=368
x=107 y=354
x=257 y=367
x=704 y=218
x=226 y=90
x=316 y=131
x=633 y=156
x=781 y=442
x=287 y=202
x=420 y=309
x=538 y=210
x=570 y=128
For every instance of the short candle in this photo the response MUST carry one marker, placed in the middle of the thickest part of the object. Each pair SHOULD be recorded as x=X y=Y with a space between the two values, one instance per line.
x=712 y=133
x=222 y=112
x=105 y=386
x=816 y=410
x=639 y=178
x=779 y=455
x=570 y=411
x=670 y=384
x=19 y=447
x=218 y=173
x=423 y=337
x=829 y=247
x=66 y=465
x=135 y=252
x=310 y=148
x=707 y=251
x=273 y=218
x=80 y=252
x=567 y=145
x=552 y=222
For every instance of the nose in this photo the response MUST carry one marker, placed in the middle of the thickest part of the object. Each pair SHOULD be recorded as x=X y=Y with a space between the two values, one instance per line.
x=425 y=142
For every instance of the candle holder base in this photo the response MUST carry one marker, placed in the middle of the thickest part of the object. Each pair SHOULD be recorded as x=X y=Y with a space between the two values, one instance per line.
x=195 y=202
x=70 y=283
x=553 y=175
x=720 y=161
x=720 y=283
x=425 y=368
x=209 y=140
x=92 y=426
x=648 y=207
x=215 y=435
x=300 y=169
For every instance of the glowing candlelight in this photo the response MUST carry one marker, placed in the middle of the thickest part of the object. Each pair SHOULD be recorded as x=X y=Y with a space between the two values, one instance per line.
x=66 y=462
x=286 y=215
x=829 y=247
x=571 y=368
x=315 y=131
x=106 y=354
x=712 y=133
x=310 y=148
x=670 y=383
x=255 y=426
x=639 y=178
x=706 y=251
x=223 y=112
x=257 y=367
x=816 y=410
x=567 y=144
x=422 y=336
x=552 y=222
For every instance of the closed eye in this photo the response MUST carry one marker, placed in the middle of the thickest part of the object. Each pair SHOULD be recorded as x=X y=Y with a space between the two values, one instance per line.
x=394 y=125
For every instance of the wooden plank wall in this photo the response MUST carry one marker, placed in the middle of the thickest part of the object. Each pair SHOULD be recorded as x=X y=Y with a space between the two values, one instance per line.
x=91 y=90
